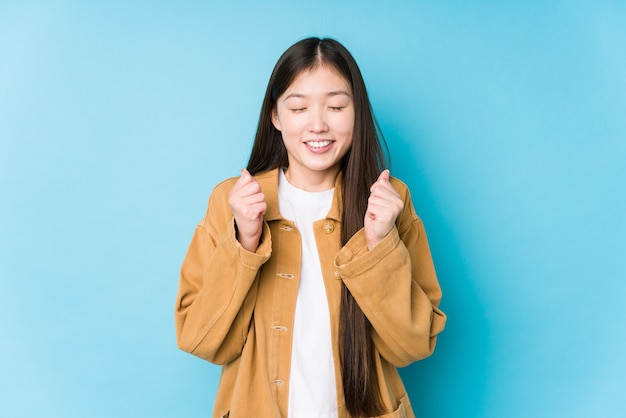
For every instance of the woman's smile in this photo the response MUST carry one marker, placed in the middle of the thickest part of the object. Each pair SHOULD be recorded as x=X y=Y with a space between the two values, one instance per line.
x=315 y=116
x=319 y=146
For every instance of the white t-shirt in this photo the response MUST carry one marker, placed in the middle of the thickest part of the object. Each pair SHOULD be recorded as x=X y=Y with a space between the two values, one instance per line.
x=312 y=380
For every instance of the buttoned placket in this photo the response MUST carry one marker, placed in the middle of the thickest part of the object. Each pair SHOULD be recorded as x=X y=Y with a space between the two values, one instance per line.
x=329 y=228
x=285 y=292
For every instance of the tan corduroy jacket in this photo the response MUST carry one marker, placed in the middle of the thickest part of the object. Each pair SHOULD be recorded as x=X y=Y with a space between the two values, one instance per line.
x=236 y=308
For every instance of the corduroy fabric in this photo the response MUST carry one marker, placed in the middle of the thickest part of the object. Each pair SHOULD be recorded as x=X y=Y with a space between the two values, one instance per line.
x=236 y=308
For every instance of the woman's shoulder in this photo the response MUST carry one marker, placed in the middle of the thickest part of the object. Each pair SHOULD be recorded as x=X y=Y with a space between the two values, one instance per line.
x=223 y=188
x=218 y=207
x=408 y=216
x=401 y=188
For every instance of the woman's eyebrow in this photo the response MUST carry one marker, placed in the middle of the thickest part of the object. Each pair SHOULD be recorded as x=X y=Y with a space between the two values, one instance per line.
x=338 y=93
x=329 y=94
x=294 y=95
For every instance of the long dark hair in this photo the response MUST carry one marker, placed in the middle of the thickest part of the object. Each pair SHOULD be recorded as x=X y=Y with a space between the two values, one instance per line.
x=360 y=168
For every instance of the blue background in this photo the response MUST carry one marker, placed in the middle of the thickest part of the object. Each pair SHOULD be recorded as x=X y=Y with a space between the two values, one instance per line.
x=506 y=119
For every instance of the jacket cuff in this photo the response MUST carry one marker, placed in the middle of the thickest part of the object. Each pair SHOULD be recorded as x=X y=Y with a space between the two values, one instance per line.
x=355 y=258
x=261 y=255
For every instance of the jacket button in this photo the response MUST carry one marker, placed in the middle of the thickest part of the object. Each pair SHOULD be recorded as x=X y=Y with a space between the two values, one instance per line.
x=329 y=228
x=337 y=275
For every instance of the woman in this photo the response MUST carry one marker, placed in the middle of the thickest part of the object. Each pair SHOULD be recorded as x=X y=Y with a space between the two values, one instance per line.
x=310 y=278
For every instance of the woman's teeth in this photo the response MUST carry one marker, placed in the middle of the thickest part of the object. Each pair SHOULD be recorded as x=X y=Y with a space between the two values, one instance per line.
x=318 y=144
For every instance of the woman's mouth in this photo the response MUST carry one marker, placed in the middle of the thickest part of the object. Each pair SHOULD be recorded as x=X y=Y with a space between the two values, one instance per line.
x=318 y=145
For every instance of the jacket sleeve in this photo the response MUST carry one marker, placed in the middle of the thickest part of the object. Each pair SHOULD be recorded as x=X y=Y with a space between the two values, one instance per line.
x=217 y=288
x=396 y=287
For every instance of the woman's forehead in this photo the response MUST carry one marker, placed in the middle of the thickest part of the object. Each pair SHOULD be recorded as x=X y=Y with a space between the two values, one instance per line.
x=321 y=80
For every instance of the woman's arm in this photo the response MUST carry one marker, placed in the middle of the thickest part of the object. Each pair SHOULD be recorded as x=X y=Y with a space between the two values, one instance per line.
x=217 y=287
x=395 y=285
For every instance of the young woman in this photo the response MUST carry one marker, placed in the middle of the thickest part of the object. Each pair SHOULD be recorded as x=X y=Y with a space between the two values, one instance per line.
x=310 y=278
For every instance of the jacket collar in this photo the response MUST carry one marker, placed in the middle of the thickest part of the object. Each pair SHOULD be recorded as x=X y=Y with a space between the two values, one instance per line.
x=268 y=181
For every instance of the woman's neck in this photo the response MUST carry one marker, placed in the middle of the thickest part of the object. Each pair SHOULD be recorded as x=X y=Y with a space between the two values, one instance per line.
x=311 y=181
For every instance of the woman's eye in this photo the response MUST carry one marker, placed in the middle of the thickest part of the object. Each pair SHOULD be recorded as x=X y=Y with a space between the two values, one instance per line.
x=336 y=108
x=298 y=110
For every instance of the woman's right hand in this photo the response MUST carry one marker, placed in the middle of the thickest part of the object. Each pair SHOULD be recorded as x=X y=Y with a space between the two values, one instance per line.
x=247 y=202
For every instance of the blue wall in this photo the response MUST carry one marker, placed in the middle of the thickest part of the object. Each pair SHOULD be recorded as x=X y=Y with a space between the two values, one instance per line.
x=506 y=119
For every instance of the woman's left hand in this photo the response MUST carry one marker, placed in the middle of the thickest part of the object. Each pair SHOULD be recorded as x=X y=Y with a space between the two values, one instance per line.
x=383 y=207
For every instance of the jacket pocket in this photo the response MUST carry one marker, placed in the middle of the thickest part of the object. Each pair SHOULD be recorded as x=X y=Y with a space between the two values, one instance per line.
x=400 y=412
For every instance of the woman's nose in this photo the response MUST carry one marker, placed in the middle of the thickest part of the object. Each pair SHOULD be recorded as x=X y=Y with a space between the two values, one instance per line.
x=318 y=121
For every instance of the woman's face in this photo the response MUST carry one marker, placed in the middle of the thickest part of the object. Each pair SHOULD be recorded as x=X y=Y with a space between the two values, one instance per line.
x=316 y=118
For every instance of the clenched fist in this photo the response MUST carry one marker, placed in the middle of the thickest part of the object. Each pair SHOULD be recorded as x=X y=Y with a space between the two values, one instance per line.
x=247 y=202
x=383 y=207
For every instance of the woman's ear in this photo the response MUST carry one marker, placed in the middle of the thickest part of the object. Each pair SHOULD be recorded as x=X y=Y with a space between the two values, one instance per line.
x=275 y=120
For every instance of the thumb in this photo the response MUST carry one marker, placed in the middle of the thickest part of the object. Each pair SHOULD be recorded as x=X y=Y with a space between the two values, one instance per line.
x=384 y=175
